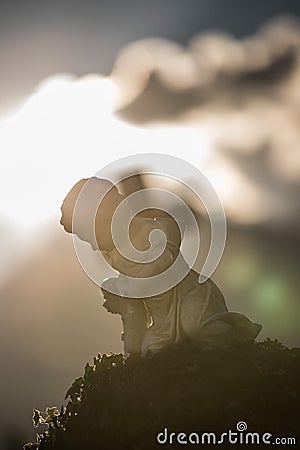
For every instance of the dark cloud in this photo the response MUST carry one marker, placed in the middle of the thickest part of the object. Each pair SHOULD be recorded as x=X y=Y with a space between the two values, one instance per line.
x=38 y=39
x=214 y=68
x=246 y=92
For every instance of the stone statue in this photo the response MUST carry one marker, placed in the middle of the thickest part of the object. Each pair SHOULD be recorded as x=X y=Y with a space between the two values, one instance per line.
x=188 y=311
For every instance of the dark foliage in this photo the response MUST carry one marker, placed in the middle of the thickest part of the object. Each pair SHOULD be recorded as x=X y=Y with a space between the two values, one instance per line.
x=123 y=403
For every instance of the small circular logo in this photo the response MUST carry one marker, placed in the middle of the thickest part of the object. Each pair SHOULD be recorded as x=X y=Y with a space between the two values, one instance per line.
x=241 y=426
x=173 y=171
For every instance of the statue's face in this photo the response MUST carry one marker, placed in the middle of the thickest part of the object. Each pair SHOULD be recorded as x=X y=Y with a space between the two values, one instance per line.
x=84 y=229
x=68 y=205
x=63 y=221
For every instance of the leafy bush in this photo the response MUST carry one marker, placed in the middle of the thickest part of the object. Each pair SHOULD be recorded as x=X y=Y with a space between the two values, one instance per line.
x=123 y=403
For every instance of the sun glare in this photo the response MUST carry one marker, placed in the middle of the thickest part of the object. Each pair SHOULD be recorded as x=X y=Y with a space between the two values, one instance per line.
x=50 y=142
x=67 y=130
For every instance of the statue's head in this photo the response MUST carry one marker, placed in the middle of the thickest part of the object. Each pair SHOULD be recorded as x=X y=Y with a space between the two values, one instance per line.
x=87 y=226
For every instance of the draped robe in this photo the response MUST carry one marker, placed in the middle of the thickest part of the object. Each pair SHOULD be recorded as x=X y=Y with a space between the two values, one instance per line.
x=189 y=310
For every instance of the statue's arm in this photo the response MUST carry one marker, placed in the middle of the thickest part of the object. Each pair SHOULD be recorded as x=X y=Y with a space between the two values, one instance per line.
x=135 y=326
x=134 y=319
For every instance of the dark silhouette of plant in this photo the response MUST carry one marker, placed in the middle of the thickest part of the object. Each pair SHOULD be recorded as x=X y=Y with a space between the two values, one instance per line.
x=124 y=403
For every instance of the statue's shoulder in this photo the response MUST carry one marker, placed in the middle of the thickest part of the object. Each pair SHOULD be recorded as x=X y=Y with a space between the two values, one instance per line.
x=191 y=282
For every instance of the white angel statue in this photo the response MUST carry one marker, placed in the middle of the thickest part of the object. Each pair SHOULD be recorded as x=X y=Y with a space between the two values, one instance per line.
x=187 y=311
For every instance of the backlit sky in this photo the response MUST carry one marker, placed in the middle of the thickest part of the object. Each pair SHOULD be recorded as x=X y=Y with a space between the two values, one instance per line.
x=41 y=38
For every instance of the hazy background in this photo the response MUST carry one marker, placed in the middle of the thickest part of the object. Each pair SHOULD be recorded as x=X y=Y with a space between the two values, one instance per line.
x=214 y=82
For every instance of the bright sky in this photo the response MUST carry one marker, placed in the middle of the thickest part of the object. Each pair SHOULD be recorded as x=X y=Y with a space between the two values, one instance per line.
x=66 y=131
